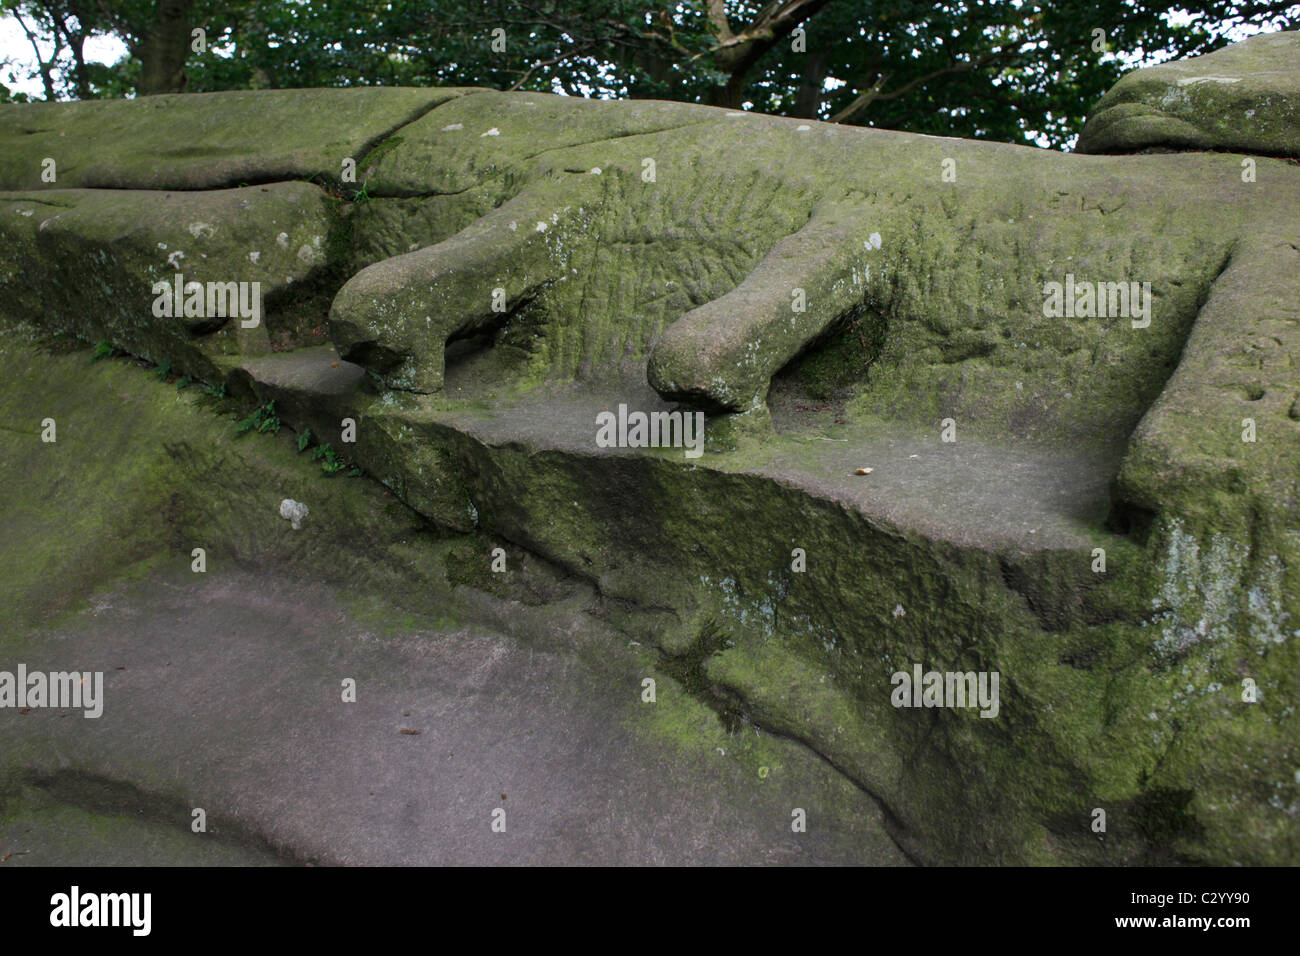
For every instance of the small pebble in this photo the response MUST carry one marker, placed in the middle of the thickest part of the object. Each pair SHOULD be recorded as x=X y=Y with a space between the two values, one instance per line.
x=293 y=511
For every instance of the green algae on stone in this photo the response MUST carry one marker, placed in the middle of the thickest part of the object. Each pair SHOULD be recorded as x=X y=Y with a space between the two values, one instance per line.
x=1243 y=98
x=87 y=261
x=204 y=140
x=1123 y=688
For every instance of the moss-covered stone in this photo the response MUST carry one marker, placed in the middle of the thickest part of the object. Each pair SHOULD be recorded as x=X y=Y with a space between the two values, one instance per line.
x=203 y=140
x=1102 y=508
x=86 y=262
x=1244 y=98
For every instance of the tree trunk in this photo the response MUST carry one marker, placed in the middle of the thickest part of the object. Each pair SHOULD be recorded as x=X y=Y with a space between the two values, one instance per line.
x=165 y=49
x=808 y=101
x=81 y=79
x=736 y=53
x=732 y=94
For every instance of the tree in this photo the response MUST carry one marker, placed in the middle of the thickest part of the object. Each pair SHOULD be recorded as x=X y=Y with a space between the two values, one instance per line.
x=999 y=69
x=164 y=47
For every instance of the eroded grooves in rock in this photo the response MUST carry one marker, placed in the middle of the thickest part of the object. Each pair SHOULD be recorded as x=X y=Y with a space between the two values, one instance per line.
x=1039 y=419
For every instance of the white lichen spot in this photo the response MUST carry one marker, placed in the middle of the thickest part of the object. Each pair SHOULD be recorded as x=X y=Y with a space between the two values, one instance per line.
x=282 y=240
x=293 y=512
x=1199 y=594
x=200 y=229
x=492 y=132
x=1193 y=80
x=26 y=212
x=452 y=126
x=173 y=259
x=1264 y=606
x=514 y=226
x=803 y=128
x=595 y=170
x=312 y=253
x=898 y=610
x=541 y=227
x=254 y=256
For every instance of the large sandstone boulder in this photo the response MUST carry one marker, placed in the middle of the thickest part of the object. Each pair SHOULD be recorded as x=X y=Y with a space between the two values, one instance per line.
x=1071 y=378
x=1244 y=98
x=196 y=141
x=89 y=261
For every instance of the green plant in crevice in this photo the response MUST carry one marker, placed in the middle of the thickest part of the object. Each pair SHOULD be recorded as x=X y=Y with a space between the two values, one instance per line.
x=163 y=370
x=331 y=463
x=304 y=440
x=329 y=460
x=263 y=419
x=102 y=350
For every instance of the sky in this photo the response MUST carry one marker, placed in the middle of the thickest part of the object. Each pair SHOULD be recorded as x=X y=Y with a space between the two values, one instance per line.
x=17 y=49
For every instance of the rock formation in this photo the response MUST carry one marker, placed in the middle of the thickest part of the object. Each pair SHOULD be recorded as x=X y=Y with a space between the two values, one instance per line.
x=1073 y=378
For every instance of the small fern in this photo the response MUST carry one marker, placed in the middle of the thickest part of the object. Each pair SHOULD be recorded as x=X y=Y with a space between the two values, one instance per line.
x=263 y=419
x=330 y=462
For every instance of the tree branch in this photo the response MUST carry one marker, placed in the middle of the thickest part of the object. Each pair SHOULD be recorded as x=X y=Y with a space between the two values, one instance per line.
x=869 y=96
x=718 y=17
x=44 y=68
x=551 y=62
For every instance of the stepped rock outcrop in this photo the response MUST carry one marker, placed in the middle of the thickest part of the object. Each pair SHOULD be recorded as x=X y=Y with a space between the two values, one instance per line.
x=1074 y=378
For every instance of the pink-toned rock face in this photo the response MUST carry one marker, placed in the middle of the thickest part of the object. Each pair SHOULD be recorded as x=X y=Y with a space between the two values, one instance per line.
x=969 y=408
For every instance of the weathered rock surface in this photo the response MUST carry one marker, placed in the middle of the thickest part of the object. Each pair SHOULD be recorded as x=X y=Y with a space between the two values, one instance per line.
x=1244 y=98
x=86 y=261
x=1115 y=529
x=223 y=689
x=195 y=141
